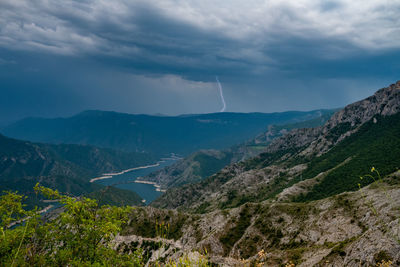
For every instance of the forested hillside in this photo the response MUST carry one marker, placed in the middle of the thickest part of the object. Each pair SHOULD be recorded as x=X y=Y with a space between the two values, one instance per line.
x=67 y=168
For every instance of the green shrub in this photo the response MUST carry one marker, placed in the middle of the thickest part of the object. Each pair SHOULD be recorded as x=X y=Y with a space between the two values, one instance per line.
x=234 y=233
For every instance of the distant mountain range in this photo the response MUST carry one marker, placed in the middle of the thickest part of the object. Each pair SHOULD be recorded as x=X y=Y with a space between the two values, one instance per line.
x=159 y=135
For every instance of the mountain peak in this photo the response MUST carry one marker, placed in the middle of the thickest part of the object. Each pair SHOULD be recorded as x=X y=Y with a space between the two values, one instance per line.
x=385 y=101
x=343 y=123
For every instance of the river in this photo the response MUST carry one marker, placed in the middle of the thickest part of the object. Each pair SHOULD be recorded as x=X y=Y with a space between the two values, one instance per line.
x=125 y=179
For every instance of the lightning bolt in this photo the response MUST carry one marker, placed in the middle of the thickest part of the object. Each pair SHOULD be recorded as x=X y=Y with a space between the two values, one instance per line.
x=221 y=94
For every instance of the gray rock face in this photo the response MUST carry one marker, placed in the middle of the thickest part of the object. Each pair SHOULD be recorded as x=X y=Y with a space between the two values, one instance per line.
x=342 y=230
x=295 y=139
x=385 y=101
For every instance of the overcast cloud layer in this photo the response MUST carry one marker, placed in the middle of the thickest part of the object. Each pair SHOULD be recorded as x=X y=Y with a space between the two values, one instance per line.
x=161 y=56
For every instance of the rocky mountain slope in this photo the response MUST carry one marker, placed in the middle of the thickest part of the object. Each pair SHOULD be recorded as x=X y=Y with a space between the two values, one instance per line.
x=331 y=157
x=159 y=135
x=349 y=229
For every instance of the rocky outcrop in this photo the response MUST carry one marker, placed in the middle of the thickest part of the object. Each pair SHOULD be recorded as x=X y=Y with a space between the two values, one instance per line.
x=385 y=101
x=343 y=230
x=297 y=138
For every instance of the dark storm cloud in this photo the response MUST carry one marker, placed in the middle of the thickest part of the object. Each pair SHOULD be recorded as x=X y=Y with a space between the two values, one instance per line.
x=77 y=55
x=156 y=38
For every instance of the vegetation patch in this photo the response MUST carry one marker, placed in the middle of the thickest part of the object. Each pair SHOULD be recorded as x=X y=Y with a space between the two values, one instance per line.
x=146 y=225
x=339 y=248
x=249 y=246
x=382 y=256
x=116 y=197
x=234 y=233
x=273 y=234
x=210 y=164
x=265 y=159
x=376 y=143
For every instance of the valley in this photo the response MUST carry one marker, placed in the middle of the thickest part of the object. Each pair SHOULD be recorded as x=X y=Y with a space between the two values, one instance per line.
x=324 y=191
x=67 y=168
x=110 y=148
x=131 y=180
x=181 y=133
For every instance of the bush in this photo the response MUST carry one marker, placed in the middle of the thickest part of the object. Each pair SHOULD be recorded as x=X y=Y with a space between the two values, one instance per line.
x=80 y=235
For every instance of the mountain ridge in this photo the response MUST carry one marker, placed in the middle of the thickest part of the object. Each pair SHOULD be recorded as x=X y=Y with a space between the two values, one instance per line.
x=385 y=102
x=158 y=135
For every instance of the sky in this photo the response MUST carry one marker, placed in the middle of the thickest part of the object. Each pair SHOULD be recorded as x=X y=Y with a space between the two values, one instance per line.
x=60 y=57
